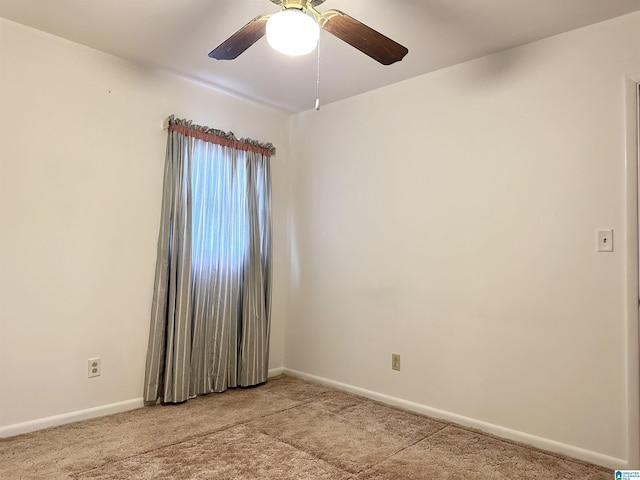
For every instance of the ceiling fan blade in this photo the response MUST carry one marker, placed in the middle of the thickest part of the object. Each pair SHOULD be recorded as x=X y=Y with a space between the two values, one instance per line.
x=362 y=37
x=237 y=43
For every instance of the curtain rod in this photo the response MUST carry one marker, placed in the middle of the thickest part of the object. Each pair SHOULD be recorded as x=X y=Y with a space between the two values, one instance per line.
x=212 y=135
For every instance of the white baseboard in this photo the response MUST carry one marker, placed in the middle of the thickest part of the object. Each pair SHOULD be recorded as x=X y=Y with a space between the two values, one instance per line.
x=502 y=432
x=54 y=421
x=274 y=372
x=101 y=411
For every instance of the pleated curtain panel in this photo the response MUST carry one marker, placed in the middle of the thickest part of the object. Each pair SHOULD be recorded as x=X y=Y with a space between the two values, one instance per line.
x=210 y=315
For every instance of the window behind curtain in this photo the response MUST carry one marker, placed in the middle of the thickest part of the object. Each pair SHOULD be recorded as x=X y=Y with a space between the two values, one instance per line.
x=220 y=214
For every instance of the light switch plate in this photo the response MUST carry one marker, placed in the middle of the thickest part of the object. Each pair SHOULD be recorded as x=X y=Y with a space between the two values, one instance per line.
x=604 y=241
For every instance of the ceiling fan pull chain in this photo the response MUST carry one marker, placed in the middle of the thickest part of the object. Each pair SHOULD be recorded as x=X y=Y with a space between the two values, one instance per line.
x=318 y=79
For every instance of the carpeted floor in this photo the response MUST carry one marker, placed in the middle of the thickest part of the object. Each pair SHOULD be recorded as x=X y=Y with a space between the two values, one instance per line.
x=287 y=429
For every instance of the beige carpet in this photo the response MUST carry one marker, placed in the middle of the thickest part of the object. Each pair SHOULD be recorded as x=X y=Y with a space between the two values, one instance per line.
x=287 y=429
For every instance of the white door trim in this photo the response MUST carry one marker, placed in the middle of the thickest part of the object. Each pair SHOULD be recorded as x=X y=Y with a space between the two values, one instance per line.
x=632 y=242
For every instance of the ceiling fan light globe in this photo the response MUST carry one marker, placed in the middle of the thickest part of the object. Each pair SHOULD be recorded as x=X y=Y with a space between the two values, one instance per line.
x=292 y=32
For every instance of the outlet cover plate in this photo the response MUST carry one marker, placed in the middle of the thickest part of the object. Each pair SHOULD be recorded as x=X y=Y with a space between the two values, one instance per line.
x=93 y=367
x=395 y=362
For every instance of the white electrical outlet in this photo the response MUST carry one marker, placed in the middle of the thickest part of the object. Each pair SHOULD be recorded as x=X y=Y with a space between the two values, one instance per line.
x=395 y=361
x=94 y=367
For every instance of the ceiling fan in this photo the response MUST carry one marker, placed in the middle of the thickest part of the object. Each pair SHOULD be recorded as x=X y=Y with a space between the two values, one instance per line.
x=346 y=28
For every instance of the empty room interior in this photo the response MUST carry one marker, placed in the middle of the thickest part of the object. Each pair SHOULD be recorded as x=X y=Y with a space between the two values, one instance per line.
x=469 y=209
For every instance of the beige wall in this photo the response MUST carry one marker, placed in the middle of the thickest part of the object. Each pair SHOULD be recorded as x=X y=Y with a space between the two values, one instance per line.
x=81 y=158
x=451 y=219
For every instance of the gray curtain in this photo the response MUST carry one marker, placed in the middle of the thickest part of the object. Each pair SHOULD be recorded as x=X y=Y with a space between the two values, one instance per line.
x=210 y=315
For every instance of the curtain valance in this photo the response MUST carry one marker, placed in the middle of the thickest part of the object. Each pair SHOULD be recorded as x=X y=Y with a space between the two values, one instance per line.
x=218 y=137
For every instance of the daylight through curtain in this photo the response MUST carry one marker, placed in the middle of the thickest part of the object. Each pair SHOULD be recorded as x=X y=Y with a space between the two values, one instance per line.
x=210 y=319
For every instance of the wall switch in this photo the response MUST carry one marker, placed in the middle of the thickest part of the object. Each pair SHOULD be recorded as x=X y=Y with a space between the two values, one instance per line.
x=604 y=241
x=94 y=367
x=395 y=361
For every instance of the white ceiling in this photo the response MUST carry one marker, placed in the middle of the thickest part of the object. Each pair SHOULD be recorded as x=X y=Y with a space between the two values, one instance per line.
x=177 y=35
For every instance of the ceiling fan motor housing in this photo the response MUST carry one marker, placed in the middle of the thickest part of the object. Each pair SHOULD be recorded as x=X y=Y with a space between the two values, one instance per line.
x=299 y=4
